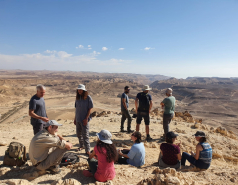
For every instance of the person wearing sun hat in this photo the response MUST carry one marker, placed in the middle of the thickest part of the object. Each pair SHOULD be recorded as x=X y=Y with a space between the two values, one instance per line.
x=170 y=152
x=143 y=104
x=83 y=105
x=203 y=156
x=101 y=159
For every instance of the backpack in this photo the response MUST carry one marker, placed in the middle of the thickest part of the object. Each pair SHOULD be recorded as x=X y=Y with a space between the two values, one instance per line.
x=15 y=155
x=144 y=102
x=69 y=158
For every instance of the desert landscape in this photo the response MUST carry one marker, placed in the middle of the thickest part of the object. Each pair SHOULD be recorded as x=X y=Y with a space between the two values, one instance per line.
x=207 y=104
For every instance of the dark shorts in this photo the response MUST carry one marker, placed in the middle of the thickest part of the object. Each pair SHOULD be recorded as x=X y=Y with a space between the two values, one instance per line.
x=144 y=115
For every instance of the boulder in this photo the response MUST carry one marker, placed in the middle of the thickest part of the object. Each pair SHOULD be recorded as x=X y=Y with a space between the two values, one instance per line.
x=66 y=182
x=15 y=182
x=2 y=143
x=222 y=130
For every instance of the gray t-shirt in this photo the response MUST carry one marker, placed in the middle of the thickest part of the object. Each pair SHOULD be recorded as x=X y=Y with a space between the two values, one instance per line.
x=82 y=106
x=124 y=95
x=38 y=105
x=169 y=105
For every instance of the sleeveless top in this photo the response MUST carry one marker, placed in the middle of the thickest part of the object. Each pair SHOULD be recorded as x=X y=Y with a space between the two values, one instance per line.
x=206 y=153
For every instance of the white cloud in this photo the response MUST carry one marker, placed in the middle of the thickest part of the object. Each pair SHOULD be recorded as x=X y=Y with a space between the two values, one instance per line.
x=80 y=47
x=104 y=48
x=59 y=60
x=89 y=46
x=48 y=51
x=148 y=48
x=121 y=48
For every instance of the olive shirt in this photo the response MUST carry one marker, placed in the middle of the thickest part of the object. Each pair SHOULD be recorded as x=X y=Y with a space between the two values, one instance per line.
x=42 y=144
x=169 y=105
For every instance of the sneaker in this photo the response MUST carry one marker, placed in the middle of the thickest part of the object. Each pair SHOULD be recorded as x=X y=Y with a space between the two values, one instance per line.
x=148 y=139
x=87 y=173
x=54 y=169
x=130 y=131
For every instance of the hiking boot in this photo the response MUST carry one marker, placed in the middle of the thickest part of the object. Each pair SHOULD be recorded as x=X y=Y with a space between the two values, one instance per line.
x=148 y=139
x=54 y=169
x=130 y=131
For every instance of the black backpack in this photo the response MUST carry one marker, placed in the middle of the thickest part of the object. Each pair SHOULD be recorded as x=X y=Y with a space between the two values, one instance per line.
x=144 y=102
x=69 y=158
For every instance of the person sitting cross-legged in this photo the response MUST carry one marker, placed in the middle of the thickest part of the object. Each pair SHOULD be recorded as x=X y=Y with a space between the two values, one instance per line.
x=136 y=155
x=170 y=155
x=203 y=156
x=101 y=159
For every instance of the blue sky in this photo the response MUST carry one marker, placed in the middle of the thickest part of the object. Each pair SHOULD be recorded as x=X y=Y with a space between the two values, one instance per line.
x=170 y=37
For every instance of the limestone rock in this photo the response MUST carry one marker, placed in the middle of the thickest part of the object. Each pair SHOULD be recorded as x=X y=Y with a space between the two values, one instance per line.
x=66 y=182
x=172 y=180
x=94 y=114
x=221 y=130
x=2 y=143
x=15 y=182
x=103 y=113
x=4 y=170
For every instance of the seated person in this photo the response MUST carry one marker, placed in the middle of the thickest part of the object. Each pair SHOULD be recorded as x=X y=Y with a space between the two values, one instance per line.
x=101 y=159
x=47 y=148
x=136 y=155
x=203 y=156
x=170 y=152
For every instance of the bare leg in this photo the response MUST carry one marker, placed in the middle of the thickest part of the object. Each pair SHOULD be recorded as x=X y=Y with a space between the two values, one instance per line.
x=137 y=127
x=147 y=129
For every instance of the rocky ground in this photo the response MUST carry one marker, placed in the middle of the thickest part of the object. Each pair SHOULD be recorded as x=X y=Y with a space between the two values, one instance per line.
x=223 y=170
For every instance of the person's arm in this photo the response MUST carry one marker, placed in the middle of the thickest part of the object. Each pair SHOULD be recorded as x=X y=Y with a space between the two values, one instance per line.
x=124 y=103
x=179 y=156
x=85 y=121
x=91 y=155
x=162 y=105
x=136 y=104
x=151 y=104
x=198 y=149
x=124 y=155
x=60 y=137
x=34 y=115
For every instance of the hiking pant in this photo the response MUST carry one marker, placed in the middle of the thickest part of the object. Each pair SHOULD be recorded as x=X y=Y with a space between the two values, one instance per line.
x=164 y=165
x=54 y=158
x=93 y=165
x=37 y=127
x=125 y=114
x=198 y=163
x=166 y=121
x=83 y=135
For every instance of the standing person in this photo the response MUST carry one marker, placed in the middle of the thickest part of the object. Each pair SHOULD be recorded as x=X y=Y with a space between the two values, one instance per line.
x=143 y=110
x=124 y=110
x=37 y=109
x=203 y=156
x=170 y=152
x=101 y=160
x=83 y=105
x=47 y=148
x=168 y=104
x=136 y=155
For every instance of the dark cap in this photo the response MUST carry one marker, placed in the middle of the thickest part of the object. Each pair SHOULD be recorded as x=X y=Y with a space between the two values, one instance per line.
x=171 y=135
x=126 y=87
x=200 y=134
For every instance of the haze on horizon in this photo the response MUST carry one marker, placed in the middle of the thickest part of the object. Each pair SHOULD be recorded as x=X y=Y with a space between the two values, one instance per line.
x=173 y=38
